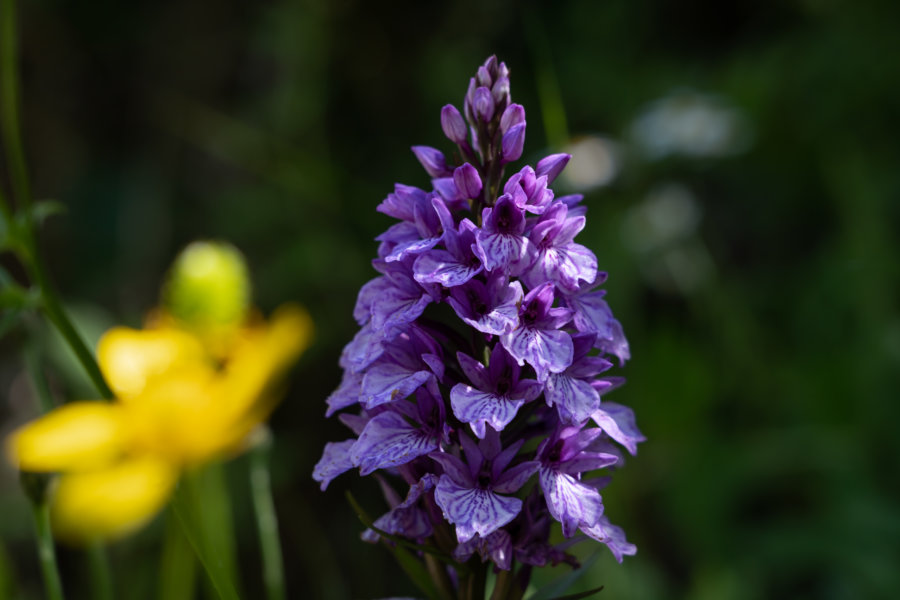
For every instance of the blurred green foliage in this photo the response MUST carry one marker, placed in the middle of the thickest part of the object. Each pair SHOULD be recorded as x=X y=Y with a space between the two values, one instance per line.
x=765 y=339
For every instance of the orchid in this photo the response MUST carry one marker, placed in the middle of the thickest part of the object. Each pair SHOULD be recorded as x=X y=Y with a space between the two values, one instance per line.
x=477 y=380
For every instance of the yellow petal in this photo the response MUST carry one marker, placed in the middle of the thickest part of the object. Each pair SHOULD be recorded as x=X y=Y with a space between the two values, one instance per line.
x=130 y=358
x=265 y=354
x=113 y=502
x=79 y=435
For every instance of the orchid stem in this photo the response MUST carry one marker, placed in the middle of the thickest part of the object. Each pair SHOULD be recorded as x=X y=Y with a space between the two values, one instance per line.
x=267 y=519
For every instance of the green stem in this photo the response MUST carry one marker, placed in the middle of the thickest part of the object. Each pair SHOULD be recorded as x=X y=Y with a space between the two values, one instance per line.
x=186 y=510
x=29 y=254
x=440 y=577
x=46 y=551
x=38 y=381
x=177 y=565
x=9 y=77
x=57 y=315
x=266 y=519
x=101 y=575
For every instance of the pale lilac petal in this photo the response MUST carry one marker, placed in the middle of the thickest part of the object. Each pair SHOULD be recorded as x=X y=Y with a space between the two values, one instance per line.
x=474 y=510
x=347 y=394
x=454 y=468
x=474 y=370
x=547 y=351
x=368 y=294
x=363 y=349
x=335 y=460
x=500 y=320
x=500 y=250
x=479 y=408
x=569 y=501
x=386 y=382
x=618 y=423
x=513 y=479
x=439 y=266
x=575 y=399
x=389 y=441
x=611 y=535
x=397 y=307
x=412 y=247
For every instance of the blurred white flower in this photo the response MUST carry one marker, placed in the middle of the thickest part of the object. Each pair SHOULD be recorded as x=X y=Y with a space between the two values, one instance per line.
x=691 y=124
x=595 y=163
x=662 y=232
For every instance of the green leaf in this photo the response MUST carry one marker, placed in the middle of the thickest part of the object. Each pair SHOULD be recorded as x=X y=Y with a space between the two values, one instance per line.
x=43 y=209
x=416 y=571
x=552 y=590
x=579 y=595
x=428 y=549
x=412 y=566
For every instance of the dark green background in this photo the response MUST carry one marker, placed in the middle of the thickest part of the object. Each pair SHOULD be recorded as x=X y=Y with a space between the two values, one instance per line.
x=768 y=391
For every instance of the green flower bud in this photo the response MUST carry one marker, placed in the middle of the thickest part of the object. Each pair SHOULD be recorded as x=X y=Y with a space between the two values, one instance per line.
x=208 y=286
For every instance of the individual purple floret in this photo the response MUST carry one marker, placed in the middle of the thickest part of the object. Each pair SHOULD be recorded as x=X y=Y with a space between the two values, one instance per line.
x=478 y=378
x=563 y=458
x=496 y=393
x=576 y=391
x=501 y=243
x=491 y=307
x=472 y=492
x=559 y=259
x=539 y=339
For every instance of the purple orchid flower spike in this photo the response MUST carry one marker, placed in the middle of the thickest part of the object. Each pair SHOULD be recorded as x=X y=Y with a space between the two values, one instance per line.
x=497 y=392
x=538 y=340
x=469 y=493
x=593 y=315
x=559 y=259
x=401 y=433
x=501 y=243
x=523 y=318
x=563 y=459
x=492 y=307
x=454 y=266
x=576 y=391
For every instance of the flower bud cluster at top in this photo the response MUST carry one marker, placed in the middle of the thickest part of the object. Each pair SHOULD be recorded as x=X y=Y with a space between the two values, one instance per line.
x=479 y=367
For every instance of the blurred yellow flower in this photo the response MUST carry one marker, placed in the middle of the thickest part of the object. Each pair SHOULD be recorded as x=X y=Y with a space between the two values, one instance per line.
x=182 y=400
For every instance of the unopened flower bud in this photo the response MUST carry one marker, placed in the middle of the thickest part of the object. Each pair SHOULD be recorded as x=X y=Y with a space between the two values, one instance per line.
x=208 y=286
x=453 y=124
x=467 y=181
x=432 y=160
x=484 y=77
x=513 y=142
x=552 y=166
x=483 y=104
x=512 y=116
x=500 y=91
